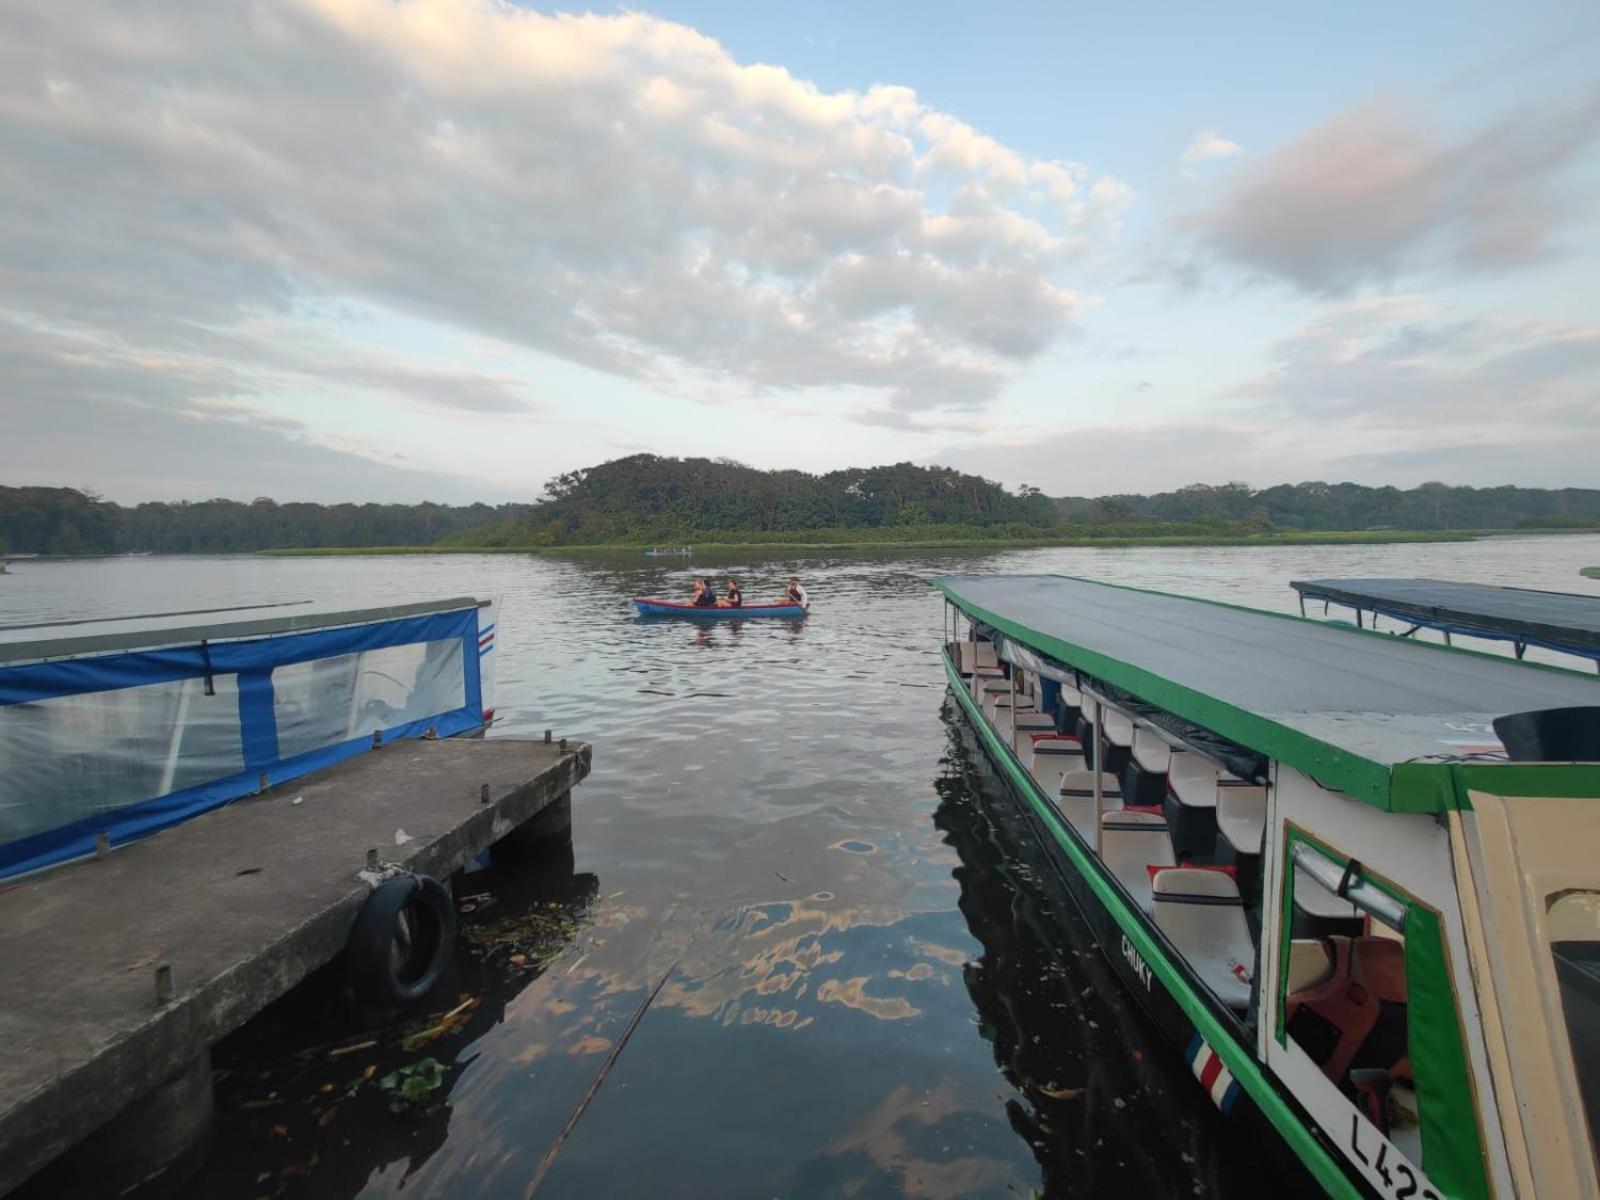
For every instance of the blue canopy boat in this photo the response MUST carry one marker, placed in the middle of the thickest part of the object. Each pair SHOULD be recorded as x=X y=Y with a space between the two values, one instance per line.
x=670 y=608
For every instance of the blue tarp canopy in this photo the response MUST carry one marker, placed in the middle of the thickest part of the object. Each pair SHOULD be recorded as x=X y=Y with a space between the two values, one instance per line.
x=126 y=727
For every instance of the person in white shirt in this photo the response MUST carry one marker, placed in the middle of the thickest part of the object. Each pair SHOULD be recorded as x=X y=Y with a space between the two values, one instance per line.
x=797 y=594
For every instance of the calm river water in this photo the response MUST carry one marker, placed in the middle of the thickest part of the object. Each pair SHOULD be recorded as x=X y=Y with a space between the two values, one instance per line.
x=872 y=987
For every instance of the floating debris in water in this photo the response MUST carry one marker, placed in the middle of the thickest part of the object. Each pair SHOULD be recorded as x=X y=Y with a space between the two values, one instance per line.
x=412 y=1087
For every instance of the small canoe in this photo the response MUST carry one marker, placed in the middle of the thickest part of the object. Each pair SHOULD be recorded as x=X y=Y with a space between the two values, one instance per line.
x=667 y=608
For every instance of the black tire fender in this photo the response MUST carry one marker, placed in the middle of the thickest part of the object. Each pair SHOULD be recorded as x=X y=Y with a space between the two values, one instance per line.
x=401 y=941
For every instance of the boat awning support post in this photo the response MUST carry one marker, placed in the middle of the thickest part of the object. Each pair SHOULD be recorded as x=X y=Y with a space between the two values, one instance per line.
x=1099 y=770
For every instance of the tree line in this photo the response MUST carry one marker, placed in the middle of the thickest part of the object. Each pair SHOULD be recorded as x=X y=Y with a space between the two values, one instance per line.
x=647 y=498
x=1317 y=507
x=43 y=520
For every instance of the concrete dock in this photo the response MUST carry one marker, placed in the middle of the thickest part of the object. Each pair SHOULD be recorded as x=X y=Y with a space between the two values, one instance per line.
x=242 y=904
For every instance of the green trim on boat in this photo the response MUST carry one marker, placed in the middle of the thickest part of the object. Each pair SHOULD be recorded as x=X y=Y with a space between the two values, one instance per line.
x=1439 y=787
x=1245 y=1068
x=1452 y=1143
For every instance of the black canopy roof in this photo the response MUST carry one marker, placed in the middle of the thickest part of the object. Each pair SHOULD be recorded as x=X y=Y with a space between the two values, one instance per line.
x=1332 y=701
x=1560 y=620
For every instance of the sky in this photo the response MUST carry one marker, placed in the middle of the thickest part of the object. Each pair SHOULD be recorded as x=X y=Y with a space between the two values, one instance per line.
x=447 y=249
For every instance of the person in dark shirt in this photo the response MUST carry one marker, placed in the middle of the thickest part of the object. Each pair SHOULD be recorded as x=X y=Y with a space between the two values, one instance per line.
x=704 y=597
x=734 y=597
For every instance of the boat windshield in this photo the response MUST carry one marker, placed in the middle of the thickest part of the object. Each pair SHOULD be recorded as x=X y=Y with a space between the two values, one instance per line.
x=1574 y=926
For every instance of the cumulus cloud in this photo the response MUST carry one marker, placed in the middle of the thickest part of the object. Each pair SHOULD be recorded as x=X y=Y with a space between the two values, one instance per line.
x=1373 y=193
x=614 y=190
x=1206 y=145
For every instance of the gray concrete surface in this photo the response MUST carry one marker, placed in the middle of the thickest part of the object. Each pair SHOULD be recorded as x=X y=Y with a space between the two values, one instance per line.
x=243 y=902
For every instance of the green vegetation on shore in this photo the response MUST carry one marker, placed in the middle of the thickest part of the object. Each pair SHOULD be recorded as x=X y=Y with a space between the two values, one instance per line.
x=1590 y=572
x=647 y=500
x=841 y=539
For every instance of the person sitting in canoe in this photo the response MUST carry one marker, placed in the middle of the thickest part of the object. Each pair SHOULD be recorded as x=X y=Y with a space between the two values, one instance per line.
x=797 y=594
x=703 y=596
x=734 y=597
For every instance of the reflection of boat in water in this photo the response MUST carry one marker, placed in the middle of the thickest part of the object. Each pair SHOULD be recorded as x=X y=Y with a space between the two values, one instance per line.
x=668 y=608
x=1091 y=1071
x=126 y=726
x=682 y=551
x=1350 y=878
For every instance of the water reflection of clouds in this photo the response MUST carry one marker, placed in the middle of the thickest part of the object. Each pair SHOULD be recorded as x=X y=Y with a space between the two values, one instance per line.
x=731 y=970
x=897 y=1147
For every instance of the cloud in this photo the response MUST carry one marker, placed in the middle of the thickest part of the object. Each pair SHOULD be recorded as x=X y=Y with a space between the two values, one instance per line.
x=79 y=412
x=1206 y=145
x=614 y=190
x=1405 y=364
x=1395 y=390
x=1371 y=194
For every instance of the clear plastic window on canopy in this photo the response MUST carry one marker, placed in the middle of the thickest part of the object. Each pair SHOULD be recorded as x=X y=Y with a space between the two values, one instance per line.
x=95 y=752
x=328 y=701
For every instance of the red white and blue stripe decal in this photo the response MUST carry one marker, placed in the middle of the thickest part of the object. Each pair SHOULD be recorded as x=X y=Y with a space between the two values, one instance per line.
x=1217 y=1080
x=485 y=641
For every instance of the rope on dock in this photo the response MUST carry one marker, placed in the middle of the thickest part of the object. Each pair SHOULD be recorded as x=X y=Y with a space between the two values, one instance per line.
x=594 y=1086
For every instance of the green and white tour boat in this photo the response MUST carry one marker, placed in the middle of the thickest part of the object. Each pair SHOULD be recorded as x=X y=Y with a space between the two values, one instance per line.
x=1354 y=879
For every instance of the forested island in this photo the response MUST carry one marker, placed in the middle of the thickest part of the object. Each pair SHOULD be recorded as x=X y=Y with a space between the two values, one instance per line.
x=647 y=499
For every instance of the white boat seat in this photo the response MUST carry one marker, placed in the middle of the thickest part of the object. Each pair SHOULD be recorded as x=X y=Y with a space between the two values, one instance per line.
x=1118 y=728
x=1242 y=817
x=1192 y=778
x=1053 y=754
x=995 y=687
x=1057 y=743
x=1309 y=963
x=1130 y=844
x=1071 y=696
x=1311 y=898
x=1202 y=915
x=985 y=656
x=1025 y=724
x=1151 y=750
x=966 y=655
x=1075 y=798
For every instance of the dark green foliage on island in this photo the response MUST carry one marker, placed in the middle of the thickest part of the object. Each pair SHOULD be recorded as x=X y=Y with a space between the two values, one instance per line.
x=649 y=499
x=40 y=520
x=646 y=499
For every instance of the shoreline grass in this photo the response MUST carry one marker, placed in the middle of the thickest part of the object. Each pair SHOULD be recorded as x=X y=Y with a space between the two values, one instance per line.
x=1284 y=538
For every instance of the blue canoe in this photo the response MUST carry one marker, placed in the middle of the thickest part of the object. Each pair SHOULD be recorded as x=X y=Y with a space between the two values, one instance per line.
x=667 y=608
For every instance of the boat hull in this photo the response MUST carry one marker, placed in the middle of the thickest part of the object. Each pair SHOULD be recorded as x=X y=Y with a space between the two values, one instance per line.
x=665 y=608
x=1166 y=991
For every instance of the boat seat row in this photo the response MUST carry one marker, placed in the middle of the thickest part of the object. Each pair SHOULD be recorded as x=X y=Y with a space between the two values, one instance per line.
x=1199 y=909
